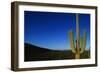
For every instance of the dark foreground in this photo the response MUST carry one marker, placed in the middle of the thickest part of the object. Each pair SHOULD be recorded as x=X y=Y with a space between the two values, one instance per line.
x=34 y=53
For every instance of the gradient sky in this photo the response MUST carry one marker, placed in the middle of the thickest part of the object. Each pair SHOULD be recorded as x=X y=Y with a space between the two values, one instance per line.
x=50 y=29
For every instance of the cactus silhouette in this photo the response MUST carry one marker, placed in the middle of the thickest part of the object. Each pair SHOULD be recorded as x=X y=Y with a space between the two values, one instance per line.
x=79 y=48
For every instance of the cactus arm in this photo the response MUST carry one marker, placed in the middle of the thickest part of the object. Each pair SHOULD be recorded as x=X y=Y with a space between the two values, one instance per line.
x=71 y=39
x=83 y=42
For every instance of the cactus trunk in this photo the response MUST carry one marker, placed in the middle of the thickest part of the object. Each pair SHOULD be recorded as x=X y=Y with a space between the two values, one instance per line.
x=77 y=37
x=77 y=56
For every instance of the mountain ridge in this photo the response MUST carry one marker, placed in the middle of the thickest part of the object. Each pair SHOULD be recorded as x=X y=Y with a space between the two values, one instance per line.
x=35 y=53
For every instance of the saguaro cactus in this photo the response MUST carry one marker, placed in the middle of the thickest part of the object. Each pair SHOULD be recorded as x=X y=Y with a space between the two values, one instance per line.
x=80 y=42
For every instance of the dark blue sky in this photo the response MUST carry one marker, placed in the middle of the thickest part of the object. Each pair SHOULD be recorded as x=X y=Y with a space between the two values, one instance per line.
x=50 y=29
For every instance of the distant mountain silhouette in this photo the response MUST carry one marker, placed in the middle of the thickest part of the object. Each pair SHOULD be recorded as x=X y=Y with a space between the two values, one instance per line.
x=36 y=49
x=31 y=51
x=35 y=53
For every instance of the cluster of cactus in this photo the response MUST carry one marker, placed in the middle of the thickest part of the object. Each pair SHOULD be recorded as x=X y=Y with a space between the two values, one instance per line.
x=79 y=48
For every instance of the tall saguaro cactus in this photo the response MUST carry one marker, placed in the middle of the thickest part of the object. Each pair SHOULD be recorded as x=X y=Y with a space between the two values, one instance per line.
x=80 y=42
